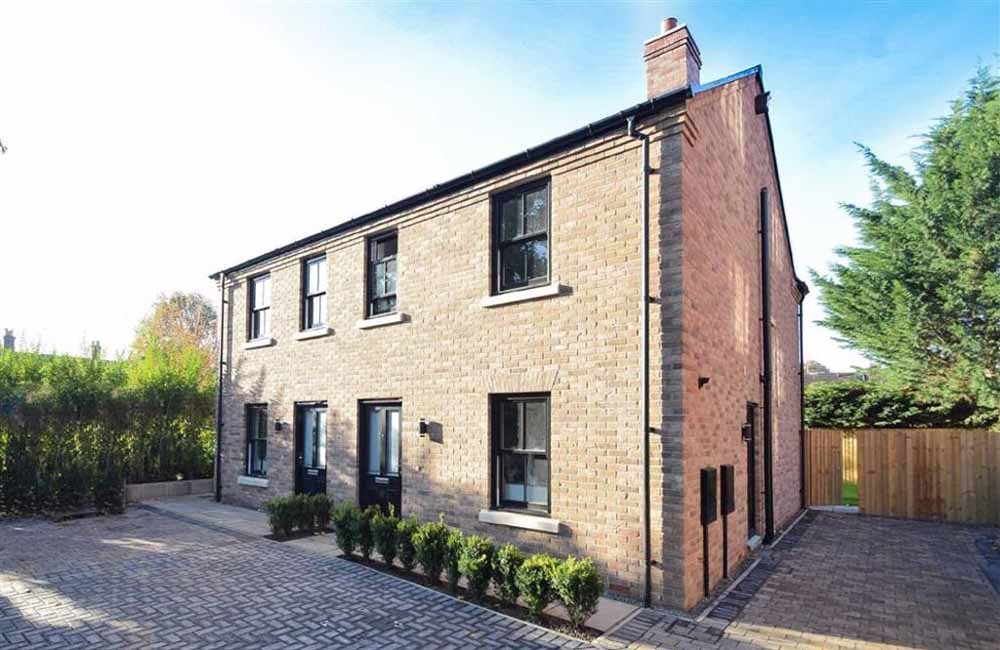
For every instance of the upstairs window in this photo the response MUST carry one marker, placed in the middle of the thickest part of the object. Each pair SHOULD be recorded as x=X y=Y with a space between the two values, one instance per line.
x=314 y=293
x=521 y=452
x=260 y=307
x=382 y=274
x=256 y=440
x=521 y=238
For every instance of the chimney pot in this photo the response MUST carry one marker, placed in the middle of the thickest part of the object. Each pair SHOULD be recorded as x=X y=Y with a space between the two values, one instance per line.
x=669 y=24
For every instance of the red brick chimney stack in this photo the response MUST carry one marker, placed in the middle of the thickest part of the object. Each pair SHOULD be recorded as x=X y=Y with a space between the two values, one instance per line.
x=672 y=59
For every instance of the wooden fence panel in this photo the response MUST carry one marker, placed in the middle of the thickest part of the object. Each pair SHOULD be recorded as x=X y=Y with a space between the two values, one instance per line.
x=824 y=467
x=942 y=474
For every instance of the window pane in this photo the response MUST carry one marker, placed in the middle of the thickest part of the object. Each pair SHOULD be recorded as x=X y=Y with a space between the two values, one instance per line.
x=536 y=253
x=320 y=432
x=511 y=423
x=379 y=286
x=390 y=277
x=385 y=248
x=320 y=310
x=262 y=423
x=536 y=211
x=512 y=266
x=321 y=275
x=535 y=425
x=374 y=441
x=262 y=292
x=510 y=218
x=308 y=439
x=538 y=481
x=512 y=477
x=392 y=443
x=260 y=323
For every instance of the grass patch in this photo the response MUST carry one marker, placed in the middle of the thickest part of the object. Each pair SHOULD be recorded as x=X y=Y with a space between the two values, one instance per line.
x=850 y=492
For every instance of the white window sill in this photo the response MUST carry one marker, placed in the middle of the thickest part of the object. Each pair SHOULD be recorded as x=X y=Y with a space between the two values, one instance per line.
x=380 y=321
x=314 y=333
x=258 y=343
x=551 y=289
x=515 y=520
x=252 y=481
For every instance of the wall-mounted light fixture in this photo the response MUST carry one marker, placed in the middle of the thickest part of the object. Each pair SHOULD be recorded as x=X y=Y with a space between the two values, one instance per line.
x=702 y=381
x=277 y=424
x=423 y=428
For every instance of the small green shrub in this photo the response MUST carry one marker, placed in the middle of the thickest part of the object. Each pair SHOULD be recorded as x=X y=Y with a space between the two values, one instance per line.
x=453 y=551
x=578 y=586
x=431 y=545
x=345 y=526
x=404 y=538
x=476 y=564
x=384 y=533
x=534 y=580
x=305 y=516
x=280 y=516
x=506 y=562
x=322 y=507
x=366 y=542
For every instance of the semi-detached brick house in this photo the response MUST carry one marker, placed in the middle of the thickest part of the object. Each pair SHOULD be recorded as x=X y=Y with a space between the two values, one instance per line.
x=507 y=392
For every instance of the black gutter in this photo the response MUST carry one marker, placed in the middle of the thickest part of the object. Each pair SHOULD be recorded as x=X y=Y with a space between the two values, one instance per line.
x=765 y=308
x=601 y=127
x=647 y=554
x=218 y=404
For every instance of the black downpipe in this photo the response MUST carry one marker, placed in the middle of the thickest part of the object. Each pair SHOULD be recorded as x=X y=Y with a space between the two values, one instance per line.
x=218 y=404
x=802 y=406
x=646 y=529
x=765 y=286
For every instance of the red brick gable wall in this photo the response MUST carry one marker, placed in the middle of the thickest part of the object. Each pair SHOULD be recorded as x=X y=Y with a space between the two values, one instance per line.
x=726 y=161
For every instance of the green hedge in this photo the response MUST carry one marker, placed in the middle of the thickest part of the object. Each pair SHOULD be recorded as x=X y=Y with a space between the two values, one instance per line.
x=875 y=404
x=537 y=580
x=73 y=431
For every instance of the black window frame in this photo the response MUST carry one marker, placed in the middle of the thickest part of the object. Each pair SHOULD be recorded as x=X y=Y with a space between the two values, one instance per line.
x=252 y=323
x=497 y=450
x=256 y=433
x=307 y=308
x=498 y=244
x=371 y=265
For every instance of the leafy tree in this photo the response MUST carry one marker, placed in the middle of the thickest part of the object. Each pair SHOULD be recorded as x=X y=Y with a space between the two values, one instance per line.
x=920 y=294
x=874 y=404
x=814 y=368
x=181 y=326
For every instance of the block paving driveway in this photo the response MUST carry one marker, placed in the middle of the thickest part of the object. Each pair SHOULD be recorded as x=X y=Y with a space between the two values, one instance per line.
x=149 y=580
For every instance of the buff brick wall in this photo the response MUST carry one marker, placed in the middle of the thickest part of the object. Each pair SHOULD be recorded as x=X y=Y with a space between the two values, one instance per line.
x=726 y=161
x=443 y=363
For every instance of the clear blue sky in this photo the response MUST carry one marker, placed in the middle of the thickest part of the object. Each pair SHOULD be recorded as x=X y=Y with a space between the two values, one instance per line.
x=163 y=142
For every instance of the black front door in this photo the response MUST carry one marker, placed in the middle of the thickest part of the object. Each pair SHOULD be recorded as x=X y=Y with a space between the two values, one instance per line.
x=380 y=480
x=750 y=437
x=310 y=448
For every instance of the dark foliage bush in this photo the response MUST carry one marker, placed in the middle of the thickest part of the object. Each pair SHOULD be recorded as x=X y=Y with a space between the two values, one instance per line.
x=534 y=580
x=282 y=515
x=366 y=540
x=384 y=533
x=431 y=545
x=874 y=404
x=578 y=586
x=454 y=546
x=345 y=526
x=506 y=562
x=73 y=431
x=405 y=530
x=476 y=564
x=322 y=507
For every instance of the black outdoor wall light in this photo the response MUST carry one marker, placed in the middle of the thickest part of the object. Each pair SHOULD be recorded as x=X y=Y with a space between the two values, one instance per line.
x=702 y=381
x=423 y=428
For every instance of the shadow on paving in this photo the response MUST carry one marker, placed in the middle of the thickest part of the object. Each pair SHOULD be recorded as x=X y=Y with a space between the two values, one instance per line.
x=144 y=579
x=851 y=581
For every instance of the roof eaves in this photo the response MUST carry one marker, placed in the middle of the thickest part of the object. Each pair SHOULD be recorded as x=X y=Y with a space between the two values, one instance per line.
x=531 y=154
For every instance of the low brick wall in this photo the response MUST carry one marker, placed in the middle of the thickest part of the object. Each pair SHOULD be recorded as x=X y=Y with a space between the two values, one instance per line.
x=146 y=491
